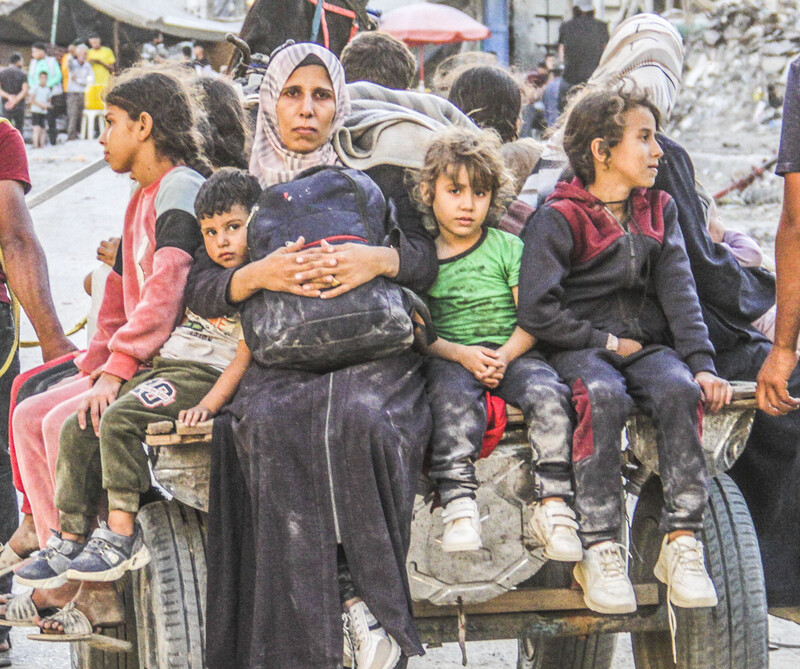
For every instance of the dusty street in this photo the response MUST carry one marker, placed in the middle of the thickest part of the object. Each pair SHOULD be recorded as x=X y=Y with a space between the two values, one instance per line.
x=71 y=225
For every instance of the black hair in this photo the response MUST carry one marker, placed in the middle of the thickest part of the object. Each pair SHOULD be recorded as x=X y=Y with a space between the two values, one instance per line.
x=165 y=99
x=490 y=97
x=225 y=137
x=39 y=45
x=93 y=35
x=16 y=57
x=223 y=190
x=311 y=59
x=186 y=50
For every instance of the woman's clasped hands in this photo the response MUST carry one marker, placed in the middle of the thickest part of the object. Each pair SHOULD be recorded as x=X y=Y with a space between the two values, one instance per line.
x=321 y=271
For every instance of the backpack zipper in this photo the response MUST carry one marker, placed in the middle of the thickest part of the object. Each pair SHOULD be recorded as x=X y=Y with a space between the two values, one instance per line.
x=361 y=202
x=328 y=458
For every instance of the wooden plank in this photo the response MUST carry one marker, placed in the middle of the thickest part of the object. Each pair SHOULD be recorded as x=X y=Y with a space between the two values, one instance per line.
x=176 y=439
x=534 y=599
x=743 y=398
x=161 y=427
x=200 y=428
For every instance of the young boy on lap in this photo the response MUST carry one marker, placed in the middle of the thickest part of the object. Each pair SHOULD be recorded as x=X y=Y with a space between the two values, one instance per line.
x=606 y=287
x=480 y=347
x=195 y=374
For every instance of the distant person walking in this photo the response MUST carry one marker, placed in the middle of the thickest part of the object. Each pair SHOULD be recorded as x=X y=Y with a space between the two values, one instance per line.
x=581 y=41
x=41 y=62
x=154 y=51
x=202 y=66
x=13 y=91
x=81 y=77
x=101 y=58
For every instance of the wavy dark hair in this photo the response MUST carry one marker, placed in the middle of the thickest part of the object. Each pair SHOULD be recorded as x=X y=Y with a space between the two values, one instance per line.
x=600 y=112
x=164 y=98
x=490 y=97
x=479 y=153
x=226 y=135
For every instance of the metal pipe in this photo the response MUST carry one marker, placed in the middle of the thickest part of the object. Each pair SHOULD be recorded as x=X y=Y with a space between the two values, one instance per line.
x=54 y=25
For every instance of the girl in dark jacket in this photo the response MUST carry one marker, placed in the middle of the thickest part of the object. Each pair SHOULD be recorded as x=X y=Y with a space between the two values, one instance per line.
x=606 y=287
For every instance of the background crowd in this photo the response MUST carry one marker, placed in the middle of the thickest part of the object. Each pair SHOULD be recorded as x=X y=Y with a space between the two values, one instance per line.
x=52 y=90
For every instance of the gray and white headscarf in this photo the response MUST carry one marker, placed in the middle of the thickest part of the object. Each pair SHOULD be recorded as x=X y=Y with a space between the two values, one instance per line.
x=271 y=162
x=649 y=50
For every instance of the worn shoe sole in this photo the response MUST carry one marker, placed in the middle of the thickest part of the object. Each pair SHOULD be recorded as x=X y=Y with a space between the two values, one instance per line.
x=138 y=560
x=660 y=571
x=576 y=556
x=577 y=572
x=42 y=583
x=9 y=560
x=463 y=546
x=391 y=660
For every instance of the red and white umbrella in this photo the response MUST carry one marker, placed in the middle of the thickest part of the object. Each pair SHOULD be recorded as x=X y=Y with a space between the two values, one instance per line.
x=426 y=23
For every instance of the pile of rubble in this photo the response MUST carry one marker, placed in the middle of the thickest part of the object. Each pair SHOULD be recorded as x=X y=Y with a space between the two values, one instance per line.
x=736 y=65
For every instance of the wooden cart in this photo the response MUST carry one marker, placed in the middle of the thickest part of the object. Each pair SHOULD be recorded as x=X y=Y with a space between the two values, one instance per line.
x=508 y=590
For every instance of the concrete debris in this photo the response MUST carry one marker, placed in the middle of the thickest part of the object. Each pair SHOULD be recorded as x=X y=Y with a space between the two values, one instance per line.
x=737 y=58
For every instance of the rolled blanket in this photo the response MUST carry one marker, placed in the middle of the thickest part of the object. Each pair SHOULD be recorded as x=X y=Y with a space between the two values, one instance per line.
x=389 y=127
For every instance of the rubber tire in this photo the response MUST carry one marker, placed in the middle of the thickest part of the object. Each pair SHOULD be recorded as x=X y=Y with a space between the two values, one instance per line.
x=84 y=657
x=545 y=652
x=733 y=635
x=170 y=592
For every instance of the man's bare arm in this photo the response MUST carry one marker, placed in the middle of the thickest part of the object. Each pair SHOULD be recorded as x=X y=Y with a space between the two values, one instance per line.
x=26 y=269
x=773 y=395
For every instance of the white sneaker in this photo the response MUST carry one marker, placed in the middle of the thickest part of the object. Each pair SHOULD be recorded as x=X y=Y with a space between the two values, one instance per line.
x=681 y=567
x=462 y=526
x=347 y=652
x=373 y=648
x=604 y=578
x=554 y=526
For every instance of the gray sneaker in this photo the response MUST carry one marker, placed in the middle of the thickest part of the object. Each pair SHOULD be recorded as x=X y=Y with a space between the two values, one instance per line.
x=48 y=568
x=108 y=556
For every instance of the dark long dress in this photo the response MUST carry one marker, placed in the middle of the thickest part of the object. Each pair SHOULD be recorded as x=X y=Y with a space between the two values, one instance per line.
x=315 y=452
x=768 y=473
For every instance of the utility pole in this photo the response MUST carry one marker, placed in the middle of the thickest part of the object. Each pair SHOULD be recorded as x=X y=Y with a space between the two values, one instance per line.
x=54 y=25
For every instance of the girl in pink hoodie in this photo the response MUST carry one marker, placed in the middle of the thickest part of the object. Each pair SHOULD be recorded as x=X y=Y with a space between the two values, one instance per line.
x=150 y=133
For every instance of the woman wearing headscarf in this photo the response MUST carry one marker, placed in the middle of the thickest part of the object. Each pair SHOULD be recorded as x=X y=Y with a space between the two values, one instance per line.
x=285 y=587
x=648 y=50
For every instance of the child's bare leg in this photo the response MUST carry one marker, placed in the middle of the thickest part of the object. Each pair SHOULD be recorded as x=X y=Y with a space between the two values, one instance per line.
x=80 y=538
x=24 y=541
x=99 y=602
x=43 y=599
x=680 y=533
x=121 y=522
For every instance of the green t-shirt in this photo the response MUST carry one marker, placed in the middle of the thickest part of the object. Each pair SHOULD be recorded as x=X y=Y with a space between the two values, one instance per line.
x=471 y=301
